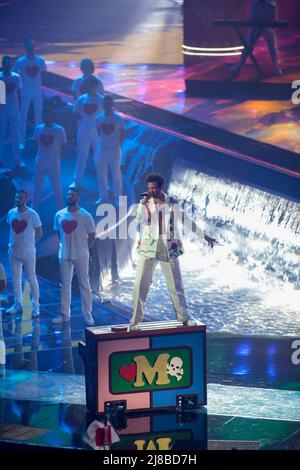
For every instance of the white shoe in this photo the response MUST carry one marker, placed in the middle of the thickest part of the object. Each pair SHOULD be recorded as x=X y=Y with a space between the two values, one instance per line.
x=88 y=320
x=191 y=322
x=35 y=312
x=134 y=327
x=60 y=319
x=14 y=309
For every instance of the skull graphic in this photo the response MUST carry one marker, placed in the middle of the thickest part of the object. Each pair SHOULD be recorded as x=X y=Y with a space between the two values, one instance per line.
x=175 y=368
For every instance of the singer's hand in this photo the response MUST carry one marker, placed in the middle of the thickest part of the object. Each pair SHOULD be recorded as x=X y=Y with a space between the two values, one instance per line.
x=145 y=198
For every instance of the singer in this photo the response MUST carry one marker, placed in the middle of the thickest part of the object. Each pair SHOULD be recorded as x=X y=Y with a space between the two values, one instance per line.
x=159 y=216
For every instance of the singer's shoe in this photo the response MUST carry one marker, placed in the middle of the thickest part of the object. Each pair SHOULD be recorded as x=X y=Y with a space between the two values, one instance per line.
x=88 y=319
x=35 y=312
x=134 y=327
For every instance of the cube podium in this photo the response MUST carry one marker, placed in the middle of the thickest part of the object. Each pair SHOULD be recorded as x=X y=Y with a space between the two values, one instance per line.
x=162 y=366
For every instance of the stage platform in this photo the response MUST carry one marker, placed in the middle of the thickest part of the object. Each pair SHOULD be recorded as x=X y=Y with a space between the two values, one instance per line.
x=212 y=77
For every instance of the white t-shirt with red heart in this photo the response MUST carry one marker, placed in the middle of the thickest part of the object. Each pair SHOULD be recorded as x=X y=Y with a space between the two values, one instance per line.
x=109 y=129
x=12 y=85
x=49 y=141
x=88 y=107
x=30 y=71
x=73 y=228
x=79 y=88
x=22 y=231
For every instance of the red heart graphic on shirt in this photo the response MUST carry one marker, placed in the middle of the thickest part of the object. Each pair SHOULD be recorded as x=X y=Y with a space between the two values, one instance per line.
x=128 y=372
x=32 y=70
x=90 y=108
x=108 y=128
x=69 y=225
x=19 y=225
x=46 y=139
x=10 y=87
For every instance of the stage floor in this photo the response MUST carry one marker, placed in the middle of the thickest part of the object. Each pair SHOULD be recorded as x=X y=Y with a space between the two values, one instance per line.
x=61 y=419
x=163 y=86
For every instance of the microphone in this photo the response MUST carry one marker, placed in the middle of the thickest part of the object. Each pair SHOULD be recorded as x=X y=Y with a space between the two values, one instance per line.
x=145 y=194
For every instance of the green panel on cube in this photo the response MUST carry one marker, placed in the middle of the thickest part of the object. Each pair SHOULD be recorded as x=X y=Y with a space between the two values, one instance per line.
x=160 y=369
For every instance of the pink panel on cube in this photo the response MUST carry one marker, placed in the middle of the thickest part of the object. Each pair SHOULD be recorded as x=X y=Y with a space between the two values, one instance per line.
x=135 y=401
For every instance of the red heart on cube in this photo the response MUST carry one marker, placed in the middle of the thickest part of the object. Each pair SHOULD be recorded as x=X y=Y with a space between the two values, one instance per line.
x=19 y=225
x=90 y=108
x=10 y=87
x=128 y=372
x=46 y=139
x=32 y=70
x=69 y=225
x=107 y=128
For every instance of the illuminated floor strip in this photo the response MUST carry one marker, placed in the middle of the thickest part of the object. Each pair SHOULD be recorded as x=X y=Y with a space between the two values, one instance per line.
x=224 y=400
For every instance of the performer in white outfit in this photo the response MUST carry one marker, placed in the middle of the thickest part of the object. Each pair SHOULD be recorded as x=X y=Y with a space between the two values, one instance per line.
x=160 y=242
x=110 y=127
x=87 y=107
x=2 y=344
x=51 y=141
x=76 y=230
x=78 y=87
x=25 y=231
x=10 y=111
x=30 y=67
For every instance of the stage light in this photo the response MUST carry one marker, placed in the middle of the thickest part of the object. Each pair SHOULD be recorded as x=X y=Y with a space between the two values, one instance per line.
x=244 y=349
x=241 y=370
x=211 y=54
x=212 y=51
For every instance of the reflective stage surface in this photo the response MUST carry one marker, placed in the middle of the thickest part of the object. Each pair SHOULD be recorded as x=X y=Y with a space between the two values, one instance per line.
x=253 y=391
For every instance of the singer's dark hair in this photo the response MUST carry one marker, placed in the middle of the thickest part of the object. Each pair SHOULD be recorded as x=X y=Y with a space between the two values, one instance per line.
x=22 y=191
x=156 y=178
x=74 y=188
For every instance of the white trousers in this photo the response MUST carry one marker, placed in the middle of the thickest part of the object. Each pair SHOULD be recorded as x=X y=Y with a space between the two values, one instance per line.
x=86 y=137
x=109 y=158
x=143 y=280
x=17 y=263
x=28 y=96
x=52 y=169
x=66 y=273
x=10 y=119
